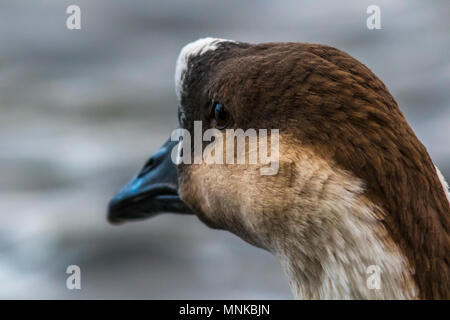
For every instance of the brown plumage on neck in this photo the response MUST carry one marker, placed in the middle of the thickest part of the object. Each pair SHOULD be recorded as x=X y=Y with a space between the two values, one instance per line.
x=327 y=101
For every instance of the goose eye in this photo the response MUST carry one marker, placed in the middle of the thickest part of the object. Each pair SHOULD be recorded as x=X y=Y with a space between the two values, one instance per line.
x=222 y=117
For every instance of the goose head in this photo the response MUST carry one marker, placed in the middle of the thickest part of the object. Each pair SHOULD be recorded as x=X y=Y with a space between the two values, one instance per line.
x=349 y=186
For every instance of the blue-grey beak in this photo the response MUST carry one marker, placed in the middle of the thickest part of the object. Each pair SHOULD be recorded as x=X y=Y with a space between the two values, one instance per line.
x=154 y=190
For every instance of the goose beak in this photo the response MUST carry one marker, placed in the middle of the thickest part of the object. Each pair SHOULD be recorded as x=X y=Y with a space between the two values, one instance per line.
x=154 y=190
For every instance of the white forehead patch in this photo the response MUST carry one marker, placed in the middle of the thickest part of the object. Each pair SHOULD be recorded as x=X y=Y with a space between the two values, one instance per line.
x=192 y=49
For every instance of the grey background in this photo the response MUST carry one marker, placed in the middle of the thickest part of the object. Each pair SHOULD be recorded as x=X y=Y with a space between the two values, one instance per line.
x=81 y=111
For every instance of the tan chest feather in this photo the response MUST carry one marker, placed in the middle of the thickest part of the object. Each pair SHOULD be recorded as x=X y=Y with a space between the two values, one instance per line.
x=312 y=216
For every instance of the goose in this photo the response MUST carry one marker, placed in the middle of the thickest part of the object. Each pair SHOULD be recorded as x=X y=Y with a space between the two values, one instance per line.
x=355 y=187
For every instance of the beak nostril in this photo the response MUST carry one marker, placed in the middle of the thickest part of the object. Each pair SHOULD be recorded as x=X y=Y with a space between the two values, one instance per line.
x=147 y=167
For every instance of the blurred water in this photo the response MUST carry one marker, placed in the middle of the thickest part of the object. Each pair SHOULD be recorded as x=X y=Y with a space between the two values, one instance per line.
x=80 y=111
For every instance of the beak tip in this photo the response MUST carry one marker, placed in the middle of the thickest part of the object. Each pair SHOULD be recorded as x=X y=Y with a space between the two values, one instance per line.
x=113 y=215
x=114 y=220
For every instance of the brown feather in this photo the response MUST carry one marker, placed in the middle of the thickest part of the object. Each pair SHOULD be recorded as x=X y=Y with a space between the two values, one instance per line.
x=333 y=104
x=348 y=115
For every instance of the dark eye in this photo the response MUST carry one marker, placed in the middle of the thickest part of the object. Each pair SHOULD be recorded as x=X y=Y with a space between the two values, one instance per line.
x=222 y=117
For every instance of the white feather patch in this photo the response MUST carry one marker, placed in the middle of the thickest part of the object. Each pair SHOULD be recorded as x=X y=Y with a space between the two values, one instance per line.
x=444 y=183
x=192 y=49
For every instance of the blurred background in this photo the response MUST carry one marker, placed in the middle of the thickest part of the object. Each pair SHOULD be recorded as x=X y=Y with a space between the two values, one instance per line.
x=82 y=110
